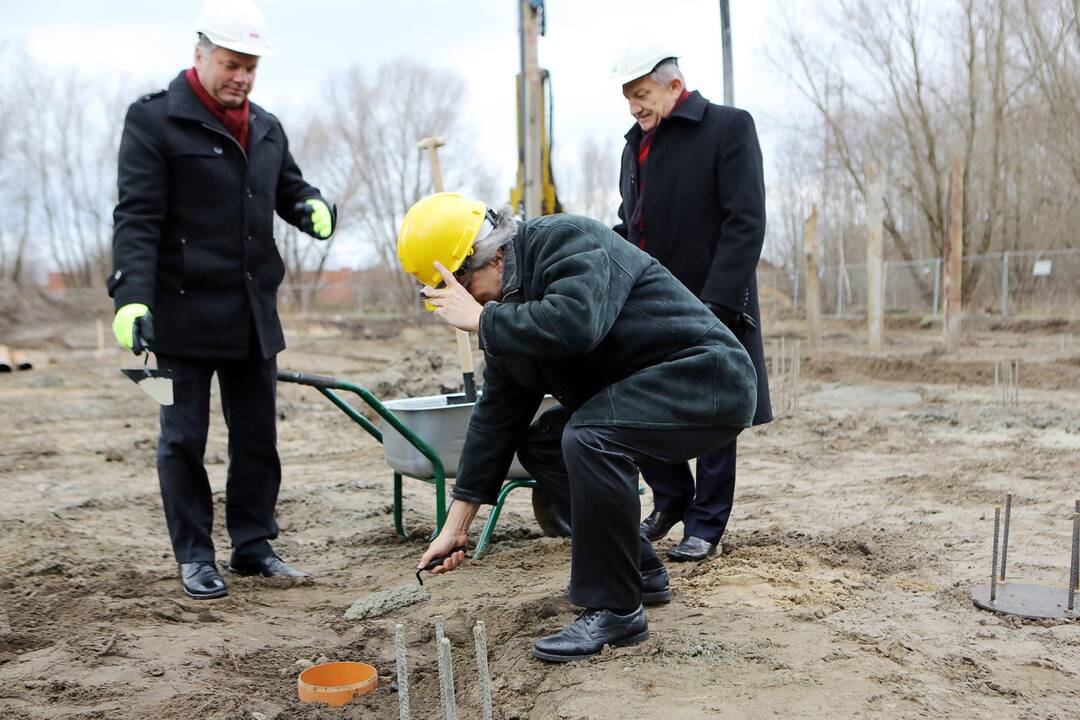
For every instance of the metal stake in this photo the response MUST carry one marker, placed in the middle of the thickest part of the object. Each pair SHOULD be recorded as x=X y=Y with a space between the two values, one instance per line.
x=402 y=673
x=480 y=637
x=1005 y=535
x=994 y=567
x=439 y=634
x=446 y=680
x=1074 y=565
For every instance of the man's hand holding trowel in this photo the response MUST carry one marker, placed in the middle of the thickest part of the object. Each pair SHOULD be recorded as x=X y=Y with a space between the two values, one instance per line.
x=133 y=326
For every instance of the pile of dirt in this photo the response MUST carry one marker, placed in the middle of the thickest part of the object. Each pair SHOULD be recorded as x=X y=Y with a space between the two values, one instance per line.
x=422 y=371
x=29 y=306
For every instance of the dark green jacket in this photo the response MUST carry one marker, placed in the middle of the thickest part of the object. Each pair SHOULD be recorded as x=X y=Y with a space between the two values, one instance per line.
x=611 y=334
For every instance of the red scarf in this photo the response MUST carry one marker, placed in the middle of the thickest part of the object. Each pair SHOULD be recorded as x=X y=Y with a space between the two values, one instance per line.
x=235 y=120
x=642 y=158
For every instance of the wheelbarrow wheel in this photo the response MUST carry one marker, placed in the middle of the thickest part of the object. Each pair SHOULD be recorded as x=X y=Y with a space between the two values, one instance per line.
x=552 y=523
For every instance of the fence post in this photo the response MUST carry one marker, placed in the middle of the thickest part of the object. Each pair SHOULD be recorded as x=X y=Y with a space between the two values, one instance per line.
x=937 y=286
x=875 y=260
x=813 y=288
x=954 y=257
x=1005 y=284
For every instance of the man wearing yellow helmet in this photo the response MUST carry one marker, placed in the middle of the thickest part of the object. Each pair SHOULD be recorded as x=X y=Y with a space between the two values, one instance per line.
x=642 y=370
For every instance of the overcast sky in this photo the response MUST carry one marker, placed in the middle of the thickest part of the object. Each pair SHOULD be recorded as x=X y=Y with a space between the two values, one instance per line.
x=151 y=41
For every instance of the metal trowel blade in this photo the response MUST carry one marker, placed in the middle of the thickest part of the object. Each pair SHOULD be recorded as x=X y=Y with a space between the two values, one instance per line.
x=158 y=384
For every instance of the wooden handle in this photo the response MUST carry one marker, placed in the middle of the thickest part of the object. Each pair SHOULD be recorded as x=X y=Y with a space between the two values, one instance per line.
x=464 y=349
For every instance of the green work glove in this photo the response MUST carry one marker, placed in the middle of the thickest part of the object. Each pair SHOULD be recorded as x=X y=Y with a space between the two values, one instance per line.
x=123 y=325
x=316 y=219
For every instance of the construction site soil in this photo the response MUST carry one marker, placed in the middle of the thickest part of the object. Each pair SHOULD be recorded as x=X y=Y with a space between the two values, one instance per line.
x=861 y=520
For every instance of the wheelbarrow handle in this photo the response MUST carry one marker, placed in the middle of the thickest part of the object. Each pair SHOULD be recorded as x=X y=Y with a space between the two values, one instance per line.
x=318 y=381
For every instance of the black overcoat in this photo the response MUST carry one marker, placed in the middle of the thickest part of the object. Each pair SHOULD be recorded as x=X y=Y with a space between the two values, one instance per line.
x=704 y=211
x=611 y=334
x=193 y=234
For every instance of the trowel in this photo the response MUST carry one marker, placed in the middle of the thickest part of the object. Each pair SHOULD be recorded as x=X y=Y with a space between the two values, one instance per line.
x=155 y=382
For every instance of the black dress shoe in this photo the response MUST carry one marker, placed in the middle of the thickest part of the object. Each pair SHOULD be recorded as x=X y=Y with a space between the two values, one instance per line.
x=658 y=523
x=202 y=581
x=655 y=587
x=588 y=635
x=269 y=566
x=692 y=548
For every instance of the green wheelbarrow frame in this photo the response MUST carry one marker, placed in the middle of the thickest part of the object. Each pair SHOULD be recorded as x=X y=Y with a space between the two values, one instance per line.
x=327 y=386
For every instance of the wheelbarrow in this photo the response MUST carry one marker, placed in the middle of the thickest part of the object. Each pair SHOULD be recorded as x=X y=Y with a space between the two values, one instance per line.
x=421 y=438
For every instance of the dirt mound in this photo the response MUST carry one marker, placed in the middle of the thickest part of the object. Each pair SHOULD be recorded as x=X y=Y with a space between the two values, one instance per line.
x=23 y=306
x=423 y=371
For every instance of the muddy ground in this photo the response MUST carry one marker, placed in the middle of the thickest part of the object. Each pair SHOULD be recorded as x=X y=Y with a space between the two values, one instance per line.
x=861 y=520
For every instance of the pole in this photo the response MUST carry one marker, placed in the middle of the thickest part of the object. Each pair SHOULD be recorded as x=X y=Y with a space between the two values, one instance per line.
x=530 y=77
x=464 y=347
x=1005 y=284
x=954 y=257
x=725 y=35
x=813 y=287
x=875 y=258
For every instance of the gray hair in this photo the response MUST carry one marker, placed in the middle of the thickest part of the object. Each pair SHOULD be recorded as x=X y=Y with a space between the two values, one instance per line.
x=667 y=71
x=486 y=247
x=205 y=46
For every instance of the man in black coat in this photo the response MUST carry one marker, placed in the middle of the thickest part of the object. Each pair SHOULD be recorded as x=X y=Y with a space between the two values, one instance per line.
x=195 y=277
x=643 y=372
x=693 y=197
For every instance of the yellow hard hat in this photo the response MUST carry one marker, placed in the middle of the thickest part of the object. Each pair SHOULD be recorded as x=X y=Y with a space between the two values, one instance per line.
x=440 y=227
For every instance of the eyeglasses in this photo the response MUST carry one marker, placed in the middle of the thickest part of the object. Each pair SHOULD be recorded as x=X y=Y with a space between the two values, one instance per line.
x=464 y=271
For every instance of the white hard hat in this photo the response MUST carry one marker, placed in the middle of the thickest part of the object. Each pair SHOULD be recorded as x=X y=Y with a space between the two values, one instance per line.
x=639 y=59
x=234 y=24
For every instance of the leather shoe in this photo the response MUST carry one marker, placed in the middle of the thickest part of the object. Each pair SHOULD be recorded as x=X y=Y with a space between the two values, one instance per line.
x=587 y=636
x=269 y=566
x=692 y=548
x=655 y=587
x=658 y=523
x=202 y=581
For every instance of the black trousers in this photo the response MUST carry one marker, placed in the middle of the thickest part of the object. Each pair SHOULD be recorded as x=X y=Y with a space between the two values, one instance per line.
x=592 y=472
x=707 y=507
x=248 y=402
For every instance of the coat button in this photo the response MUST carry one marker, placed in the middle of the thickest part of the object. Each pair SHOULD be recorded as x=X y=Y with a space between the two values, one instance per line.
x=218 y=150
x=183 y=241
x=249 y=193
x=250 y=237
x=247 y=275
x=182 y=291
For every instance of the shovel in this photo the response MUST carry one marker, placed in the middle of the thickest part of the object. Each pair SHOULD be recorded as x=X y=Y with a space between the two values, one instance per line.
x=155 y=382
x=432 y=145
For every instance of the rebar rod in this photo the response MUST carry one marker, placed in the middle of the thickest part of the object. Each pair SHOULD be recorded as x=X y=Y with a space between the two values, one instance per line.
x=446 y=680
x=994 y=566
x=402 y=673
x=1074 y=565
x=1005 y=535
x=480 y=637
x=439 y=632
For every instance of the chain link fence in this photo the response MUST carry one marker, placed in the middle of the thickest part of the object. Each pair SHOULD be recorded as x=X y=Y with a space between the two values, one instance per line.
x=1041 y=283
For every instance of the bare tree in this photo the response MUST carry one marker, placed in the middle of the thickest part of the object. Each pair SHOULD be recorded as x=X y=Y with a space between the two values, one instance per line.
x=372 y=126
x=916 y=86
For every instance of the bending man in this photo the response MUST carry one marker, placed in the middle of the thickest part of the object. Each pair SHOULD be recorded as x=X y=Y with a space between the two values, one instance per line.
x=642 y=370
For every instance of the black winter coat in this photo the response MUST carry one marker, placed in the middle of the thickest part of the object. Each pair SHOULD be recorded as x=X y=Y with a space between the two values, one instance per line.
x=705 y=211
x=193 y=230
x=611 y=334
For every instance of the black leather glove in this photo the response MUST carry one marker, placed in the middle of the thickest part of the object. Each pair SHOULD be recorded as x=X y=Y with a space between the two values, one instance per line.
x=737 y=322
x=142 y=335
